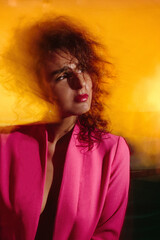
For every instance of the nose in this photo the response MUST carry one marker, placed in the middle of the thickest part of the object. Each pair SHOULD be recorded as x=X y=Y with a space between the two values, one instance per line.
x=77 y=81
x=80 y=81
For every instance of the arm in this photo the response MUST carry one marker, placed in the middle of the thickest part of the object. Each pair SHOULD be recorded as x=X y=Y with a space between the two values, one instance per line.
x=113 y=212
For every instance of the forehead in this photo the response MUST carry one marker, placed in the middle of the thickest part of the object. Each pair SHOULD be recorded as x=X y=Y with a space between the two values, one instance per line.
x=60 y=59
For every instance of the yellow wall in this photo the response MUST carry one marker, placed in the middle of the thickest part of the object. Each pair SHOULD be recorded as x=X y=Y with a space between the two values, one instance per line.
x=130 y=29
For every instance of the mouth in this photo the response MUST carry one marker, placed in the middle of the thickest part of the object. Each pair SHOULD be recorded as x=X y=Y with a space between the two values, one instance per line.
x=81 y=98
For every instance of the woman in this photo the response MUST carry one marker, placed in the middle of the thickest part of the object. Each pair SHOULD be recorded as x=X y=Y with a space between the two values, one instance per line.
x=65 y=180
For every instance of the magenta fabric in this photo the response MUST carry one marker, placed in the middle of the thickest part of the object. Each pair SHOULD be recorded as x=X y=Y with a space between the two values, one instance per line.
x=94 y=189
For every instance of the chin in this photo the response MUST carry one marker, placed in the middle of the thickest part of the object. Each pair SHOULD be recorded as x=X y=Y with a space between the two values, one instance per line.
x=76 y=111
x=79 y=112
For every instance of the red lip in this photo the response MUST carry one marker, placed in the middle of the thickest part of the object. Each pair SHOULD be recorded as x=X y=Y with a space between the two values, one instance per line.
x=81 y=98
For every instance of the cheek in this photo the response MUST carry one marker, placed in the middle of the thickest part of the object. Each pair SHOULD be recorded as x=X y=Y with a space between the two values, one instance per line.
x=63 y=96
x=89 y=84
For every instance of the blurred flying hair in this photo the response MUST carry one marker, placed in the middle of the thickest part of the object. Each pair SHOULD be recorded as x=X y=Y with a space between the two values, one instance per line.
x=32 y=46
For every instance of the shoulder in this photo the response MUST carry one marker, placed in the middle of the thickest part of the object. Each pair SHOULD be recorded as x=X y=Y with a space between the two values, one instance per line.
x=114 y=149
x=104 y=142
x=21 y=134
x=117 y=151
x=116 y=142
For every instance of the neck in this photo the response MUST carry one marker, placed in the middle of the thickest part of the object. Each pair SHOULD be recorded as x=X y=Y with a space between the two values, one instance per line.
x=58 y=130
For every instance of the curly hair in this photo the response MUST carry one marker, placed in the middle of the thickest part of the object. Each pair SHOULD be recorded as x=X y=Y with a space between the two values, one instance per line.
x=57 y=33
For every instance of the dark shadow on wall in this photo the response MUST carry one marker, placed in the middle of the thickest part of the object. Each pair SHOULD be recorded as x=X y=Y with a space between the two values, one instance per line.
x=142 y=221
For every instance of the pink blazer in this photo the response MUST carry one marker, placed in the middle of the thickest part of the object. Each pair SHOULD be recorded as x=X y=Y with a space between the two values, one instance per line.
x=94 y=189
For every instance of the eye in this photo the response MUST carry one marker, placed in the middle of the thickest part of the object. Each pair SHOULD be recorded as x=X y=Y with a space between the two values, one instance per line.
x=62 y=77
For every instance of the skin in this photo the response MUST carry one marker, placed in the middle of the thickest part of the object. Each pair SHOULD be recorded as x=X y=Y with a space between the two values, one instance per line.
x=65 y=80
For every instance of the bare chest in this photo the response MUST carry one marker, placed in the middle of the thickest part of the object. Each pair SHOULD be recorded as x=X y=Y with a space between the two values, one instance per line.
x=48 y=183
x=49 y=175
x=54 y=170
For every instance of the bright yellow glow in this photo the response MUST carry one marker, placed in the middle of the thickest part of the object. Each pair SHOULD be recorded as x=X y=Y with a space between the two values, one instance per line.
x=146 y=95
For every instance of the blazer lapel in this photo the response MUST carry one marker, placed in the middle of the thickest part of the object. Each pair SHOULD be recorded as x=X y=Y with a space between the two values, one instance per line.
x=69 y=191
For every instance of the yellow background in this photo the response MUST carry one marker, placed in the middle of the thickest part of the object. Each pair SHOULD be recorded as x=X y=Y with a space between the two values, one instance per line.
x=130 y=30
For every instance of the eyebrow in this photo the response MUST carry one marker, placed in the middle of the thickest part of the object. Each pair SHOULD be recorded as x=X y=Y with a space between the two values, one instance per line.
x=58 y=71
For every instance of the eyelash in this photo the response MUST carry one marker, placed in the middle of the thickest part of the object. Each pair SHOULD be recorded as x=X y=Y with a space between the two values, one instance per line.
x=69 y=74
x=62 y=77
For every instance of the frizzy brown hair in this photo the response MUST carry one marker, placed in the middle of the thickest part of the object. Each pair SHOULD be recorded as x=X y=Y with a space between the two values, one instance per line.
x=53 y=33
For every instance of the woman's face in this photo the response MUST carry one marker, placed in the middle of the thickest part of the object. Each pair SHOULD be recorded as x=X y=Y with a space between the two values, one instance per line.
x=70 y=85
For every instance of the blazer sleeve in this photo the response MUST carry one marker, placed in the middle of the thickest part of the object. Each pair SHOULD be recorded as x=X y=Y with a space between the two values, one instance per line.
x=112 y=216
